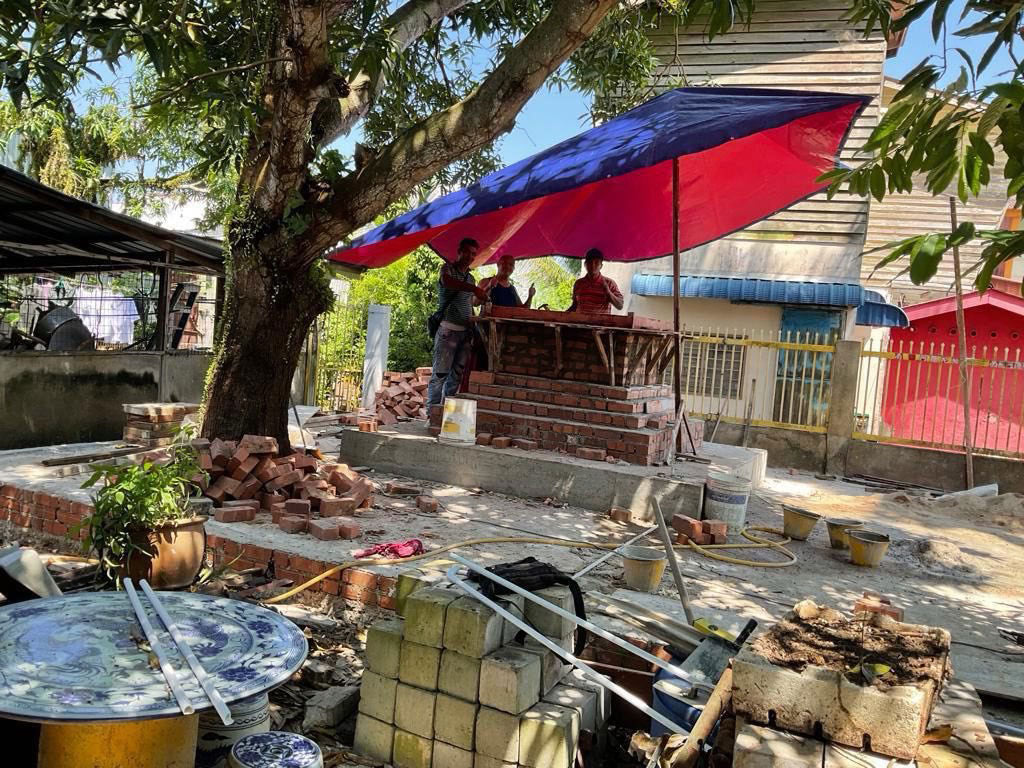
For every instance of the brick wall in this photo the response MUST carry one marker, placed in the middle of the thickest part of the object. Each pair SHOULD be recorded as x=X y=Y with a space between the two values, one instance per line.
x=576 y=417
x=46 y=514
x=529 y=349
x=41 y=512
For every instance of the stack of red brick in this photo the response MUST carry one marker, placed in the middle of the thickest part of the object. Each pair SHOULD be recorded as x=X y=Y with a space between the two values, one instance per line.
x=584 y=419
x=701 y=532
x=154 y=425
x=402 y=396
x=301 y=493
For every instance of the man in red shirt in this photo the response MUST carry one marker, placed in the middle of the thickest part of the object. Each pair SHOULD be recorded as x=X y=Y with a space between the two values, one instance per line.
x=594 y=292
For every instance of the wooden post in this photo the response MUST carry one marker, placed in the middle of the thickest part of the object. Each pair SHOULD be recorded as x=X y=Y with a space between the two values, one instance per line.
x=677 y=330
x=961 y=338
x=163 y=301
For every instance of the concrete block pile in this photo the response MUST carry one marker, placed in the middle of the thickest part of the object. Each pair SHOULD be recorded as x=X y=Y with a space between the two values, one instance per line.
x=786 y=697
x=450 y=686
x=302 y=493
x=154 y=425
x=402 y=396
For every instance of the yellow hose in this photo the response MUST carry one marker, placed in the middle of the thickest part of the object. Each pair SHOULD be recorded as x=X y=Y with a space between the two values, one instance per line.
x=758 y=543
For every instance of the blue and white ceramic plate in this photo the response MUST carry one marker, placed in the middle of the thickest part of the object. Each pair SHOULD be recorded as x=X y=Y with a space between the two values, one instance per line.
x=276 y=749
x=79 y=657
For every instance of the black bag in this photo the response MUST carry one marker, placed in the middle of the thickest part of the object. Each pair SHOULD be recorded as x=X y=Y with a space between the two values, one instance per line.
x=531 y=574
x=434 y=321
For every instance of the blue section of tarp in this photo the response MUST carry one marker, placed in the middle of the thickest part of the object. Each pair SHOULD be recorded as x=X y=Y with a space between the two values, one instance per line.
x=676 y=123
x=871 y=307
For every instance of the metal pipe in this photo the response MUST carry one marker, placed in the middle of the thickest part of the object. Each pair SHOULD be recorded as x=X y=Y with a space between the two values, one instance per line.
x=673 y=564
x=1007 y=729
x=603 y=633
x=617 y=551
x=170 y=673
x=961 y=340
x=597 y=677
x=186 y=650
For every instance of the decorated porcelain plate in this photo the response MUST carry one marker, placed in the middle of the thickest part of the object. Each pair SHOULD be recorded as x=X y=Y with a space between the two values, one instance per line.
x=84 y=657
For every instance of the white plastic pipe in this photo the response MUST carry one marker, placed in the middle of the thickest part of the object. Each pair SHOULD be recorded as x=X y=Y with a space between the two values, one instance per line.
x=186 y=650
x=597 y=677
x=623 y=644
x=170 y=673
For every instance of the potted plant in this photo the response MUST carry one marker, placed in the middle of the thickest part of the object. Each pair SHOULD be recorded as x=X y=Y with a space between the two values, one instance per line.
x=146 y=523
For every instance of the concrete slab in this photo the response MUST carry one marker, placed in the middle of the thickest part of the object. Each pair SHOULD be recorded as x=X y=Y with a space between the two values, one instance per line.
x=409 y=449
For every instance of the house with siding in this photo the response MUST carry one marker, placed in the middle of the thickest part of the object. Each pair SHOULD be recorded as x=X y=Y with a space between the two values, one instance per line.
x=796 y=275
x=805 y=275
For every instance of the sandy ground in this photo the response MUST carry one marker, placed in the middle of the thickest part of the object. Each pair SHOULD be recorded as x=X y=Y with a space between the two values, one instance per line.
x=955 y=565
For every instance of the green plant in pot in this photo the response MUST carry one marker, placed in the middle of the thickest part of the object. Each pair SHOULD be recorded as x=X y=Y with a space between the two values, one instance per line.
x=146 y=523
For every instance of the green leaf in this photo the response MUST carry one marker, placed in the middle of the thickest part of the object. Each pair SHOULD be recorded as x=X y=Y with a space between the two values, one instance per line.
x=877 y=183
x=925 y=263
x=993 y=112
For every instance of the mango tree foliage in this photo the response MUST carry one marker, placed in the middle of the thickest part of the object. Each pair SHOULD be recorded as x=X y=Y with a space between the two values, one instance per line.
x=945 y=137
x=257 y=99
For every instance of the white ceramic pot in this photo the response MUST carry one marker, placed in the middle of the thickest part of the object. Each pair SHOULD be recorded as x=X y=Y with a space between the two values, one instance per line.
x=250 y=715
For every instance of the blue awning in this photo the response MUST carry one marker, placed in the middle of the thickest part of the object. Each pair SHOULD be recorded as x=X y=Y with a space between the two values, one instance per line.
x=871 y=307
x=878 y=312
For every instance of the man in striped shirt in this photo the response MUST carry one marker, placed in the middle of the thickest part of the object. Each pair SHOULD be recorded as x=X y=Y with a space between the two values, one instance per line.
x=594 y=292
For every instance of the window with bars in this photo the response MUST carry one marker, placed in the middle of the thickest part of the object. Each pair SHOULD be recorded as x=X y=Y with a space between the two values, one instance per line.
x=713 y=369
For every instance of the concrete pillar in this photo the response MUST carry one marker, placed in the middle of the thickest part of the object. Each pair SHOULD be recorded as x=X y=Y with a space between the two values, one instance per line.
x=842 y=405
x=375 y=358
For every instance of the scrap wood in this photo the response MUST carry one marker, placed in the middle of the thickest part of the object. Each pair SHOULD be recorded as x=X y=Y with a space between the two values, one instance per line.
x=85 y=458
x=721 y=698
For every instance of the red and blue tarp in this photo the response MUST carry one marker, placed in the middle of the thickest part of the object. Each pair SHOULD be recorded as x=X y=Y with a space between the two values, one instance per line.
x=743 y=154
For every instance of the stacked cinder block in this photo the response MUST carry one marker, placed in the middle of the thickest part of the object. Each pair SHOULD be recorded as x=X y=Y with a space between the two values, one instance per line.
x=449 y=686
x=154 y=425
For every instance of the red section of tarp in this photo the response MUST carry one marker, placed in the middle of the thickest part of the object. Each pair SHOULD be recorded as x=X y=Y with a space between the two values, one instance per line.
x=629 y=217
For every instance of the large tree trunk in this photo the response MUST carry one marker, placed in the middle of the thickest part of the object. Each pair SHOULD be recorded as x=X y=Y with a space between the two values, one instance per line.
x=269 y=309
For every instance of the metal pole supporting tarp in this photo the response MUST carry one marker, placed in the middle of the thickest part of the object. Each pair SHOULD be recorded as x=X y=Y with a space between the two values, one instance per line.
x=676 y=328
x=961 y=338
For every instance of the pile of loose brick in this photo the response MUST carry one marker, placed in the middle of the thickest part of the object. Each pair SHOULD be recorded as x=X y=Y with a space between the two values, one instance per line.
x=301 y=493
x=700 y=531
x=154 y=425
x=402 y=396
x=450 y=686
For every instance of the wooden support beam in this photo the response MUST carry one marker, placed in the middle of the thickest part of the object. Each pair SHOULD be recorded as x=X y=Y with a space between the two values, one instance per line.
x=636 y=356
x=611 y=357
x=558 y=351
x=600 y=349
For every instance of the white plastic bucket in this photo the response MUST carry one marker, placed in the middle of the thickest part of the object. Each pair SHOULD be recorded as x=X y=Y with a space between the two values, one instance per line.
x=458 y=420
x=725 y=498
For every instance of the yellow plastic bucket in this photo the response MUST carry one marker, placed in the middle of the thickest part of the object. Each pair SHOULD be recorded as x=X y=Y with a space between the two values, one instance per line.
x=837 y=530
x=798 y=523
x=458 y=420
x=644 y=567
x=867 y=548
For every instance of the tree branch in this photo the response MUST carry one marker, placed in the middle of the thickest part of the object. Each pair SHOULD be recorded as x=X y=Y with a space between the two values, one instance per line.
x=465 y=127
x=407 y=25
x=196 y=78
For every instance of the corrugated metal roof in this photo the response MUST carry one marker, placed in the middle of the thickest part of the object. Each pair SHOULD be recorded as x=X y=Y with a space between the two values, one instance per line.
x=43 y=229
x=751 y=289
x=872 y=308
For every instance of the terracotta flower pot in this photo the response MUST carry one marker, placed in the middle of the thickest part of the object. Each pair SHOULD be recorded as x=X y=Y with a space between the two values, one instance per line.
x=177 y=548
